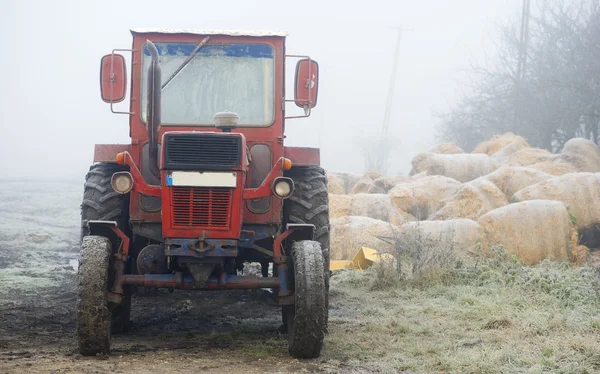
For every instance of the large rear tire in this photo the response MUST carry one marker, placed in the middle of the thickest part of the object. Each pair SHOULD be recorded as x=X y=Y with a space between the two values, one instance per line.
x=93 y=313
x=306 y=319
x=310 y=205
x=102 y=203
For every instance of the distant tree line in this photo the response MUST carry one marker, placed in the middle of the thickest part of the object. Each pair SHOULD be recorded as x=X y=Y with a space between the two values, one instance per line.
x=558 y=95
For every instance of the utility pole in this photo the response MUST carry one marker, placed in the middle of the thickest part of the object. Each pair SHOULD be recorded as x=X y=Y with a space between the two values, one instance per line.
x=383 y=151
x=522 y=60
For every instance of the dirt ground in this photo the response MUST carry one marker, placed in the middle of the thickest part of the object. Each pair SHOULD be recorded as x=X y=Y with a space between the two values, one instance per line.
x=212 y=332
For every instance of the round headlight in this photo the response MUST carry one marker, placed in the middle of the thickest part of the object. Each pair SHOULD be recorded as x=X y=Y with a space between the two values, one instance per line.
x=283 y=187
x=122 y=182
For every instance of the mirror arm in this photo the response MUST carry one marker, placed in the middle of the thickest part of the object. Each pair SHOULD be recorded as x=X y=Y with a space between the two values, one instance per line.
x=112 y=57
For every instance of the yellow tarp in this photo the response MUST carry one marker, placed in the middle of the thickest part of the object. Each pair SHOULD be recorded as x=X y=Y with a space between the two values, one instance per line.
x=364 y=259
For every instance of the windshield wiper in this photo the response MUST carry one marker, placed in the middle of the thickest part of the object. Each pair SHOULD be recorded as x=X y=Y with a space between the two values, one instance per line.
x=188 y=59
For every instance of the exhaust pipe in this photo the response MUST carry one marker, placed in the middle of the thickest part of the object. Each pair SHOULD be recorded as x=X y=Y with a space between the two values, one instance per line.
x=153 y=109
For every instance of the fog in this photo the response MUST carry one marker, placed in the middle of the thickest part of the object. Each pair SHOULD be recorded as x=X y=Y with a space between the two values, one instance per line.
x=51 y=114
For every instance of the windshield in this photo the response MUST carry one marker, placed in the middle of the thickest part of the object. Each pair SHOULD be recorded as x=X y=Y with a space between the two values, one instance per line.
x=232 y=77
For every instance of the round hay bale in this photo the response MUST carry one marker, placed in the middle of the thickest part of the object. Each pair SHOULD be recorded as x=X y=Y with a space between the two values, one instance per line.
x=529 y=156
x=348 y=234
x=499 y=142
x=556 y=167
x=441 y=242
x=424 y=196
x=387 y=183
x=510 y=179
x=376 y=206
x=372 y=174
x=339 y=205
x=580 y=192
x=335 y=184
x=582 y=153
x=502 y=156
x=418 y=175
x=532 y=230
x=366 y=185
x=461 y=167
x=446 y=148
x=473 y=200
x=341 y=181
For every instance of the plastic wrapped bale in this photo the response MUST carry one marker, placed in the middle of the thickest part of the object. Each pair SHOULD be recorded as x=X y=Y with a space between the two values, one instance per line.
x=387 y=183
x=532 y=230
x=473 y=200
x=556 y=167
x=446 y=148
x=366 y=185
x=502 y=156
x=376 y=206
x=580 y=192
x=529 y=156
x=439 y=244
x=510 y=179
x=499 y=142
x=583 y=154
x=348 y=234
x=335 y=184
x=424 y=196
x=342 y=183
x=418 y=176
x=461 y=167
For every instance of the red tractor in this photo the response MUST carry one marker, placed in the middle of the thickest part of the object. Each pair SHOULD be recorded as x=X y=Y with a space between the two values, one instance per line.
x=206 y=185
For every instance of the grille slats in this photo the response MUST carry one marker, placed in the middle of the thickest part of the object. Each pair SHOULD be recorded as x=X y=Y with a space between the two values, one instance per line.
x=197 y=151
x=201 y=207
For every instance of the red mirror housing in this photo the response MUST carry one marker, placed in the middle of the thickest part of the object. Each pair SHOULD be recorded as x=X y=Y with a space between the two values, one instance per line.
x=113 y=78
x=306 y=83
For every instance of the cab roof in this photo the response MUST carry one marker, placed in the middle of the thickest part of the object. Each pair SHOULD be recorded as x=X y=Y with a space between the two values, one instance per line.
x=211 y=32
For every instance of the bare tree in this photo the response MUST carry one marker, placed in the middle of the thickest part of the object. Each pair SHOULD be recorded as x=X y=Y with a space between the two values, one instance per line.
x=559 y=93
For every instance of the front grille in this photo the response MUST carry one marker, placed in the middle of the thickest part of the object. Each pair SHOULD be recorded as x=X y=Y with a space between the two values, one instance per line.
x=198 y=151
x=201 y=207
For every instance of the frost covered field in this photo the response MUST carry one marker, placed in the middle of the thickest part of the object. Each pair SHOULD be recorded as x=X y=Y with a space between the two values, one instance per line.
x=39 y=231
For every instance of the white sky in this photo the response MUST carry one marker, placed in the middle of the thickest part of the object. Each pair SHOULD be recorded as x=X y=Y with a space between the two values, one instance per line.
x=51 y=114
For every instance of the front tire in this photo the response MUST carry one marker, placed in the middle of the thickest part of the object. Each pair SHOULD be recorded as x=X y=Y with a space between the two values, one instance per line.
x=102 y=203
x=93 y=313
x=306 y=319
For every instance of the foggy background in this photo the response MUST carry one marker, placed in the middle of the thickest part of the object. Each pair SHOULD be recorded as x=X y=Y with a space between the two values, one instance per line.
x=51 y=114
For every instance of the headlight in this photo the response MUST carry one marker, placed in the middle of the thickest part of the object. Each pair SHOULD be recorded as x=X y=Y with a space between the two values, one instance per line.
x=122 y=182
x=283 y=187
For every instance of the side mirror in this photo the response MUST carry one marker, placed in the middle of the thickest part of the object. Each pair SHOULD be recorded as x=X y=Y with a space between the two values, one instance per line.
x=113 y=78
x=306 y=83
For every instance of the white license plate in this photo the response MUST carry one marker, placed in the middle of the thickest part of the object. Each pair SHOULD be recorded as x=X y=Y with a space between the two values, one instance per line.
x=202 y=179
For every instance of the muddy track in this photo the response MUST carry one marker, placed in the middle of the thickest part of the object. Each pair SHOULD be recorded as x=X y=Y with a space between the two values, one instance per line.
x=235 y=331
x=230 y=331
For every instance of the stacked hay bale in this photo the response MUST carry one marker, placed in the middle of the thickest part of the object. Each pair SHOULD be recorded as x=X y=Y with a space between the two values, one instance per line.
x=504 y=194
x=341 y=183
x=423 y=197
x=580 y=192
x=510 y=179
x=500 y=142
x=461 y=167
x=583 y=154
x=532 y=230
x=376 y=206
x=446 y=149
x=472 y=200
x=350 y=233
x=432 y=244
